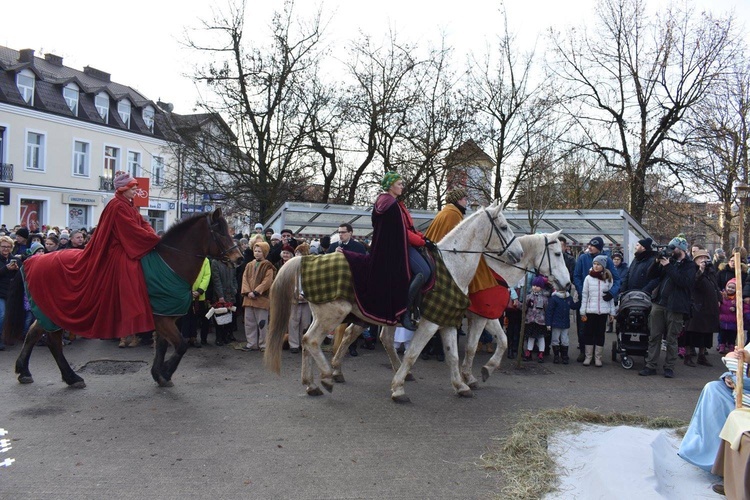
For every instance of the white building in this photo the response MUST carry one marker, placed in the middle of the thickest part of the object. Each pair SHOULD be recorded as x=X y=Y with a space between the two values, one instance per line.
x=63 y=135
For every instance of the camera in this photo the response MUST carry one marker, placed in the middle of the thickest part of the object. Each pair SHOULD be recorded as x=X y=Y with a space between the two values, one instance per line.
x=665 y=251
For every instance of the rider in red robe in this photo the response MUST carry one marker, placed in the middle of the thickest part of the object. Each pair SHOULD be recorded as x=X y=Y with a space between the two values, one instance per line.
x=99 y=292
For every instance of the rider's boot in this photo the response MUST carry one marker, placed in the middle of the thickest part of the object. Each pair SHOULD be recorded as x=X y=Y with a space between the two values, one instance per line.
x=415 y=291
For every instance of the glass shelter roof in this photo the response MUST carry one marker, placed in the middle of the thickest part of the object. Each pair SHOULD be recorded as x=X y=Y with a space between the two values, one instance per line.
x=313 y=220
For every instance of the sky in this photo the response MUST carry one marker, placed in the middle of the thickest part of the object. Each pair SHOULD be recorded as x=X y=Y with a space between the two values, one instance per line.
x=140 y=42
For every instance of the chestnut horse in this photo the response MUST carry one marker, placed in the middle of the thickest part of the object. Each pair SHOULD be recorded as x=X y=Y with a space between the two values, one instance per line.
x=183 y=248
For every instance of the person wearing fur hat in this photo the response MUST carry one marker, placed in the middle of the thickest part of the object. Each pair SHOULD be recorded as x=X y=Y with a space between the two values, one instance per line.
x=583 y=266
x=726 y=270
x=595 y=309
x=256 y=284
x=536 y=304
x=108 y=267
x=675 y=278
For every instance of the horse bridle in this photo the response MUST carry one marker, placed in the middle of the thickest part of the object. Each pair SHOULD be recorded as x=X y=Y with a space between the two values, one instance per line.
x=495 y=230
x=213 y=228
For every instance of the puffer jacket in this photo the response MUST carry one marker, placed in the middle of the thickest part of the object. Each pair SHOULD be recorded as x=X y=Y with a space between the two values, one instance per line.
x=592 y=301
x=727 y=315
x=559 y=305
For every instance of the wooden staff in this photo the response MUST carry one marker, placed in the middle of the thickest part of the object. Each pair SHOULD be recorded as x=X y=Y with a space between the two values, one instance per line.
x=740 y=326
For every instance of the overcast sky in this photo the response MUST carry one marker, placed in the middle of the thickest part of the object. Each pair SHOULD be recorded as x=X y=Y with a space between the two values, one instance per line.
x=139 y=41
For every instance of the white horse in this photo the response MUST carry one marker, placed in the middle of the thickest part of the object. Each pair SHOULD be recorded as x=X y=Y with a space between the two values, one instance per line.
x=484 y=232
x=541 y=252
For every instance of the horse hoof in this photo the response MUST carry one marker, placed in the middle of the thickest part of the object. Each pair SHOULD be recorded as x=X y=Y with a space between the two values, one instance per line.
x=78 y=385
x=485 y=374
x=165 y=383
x=327 y=385
x=473 y=385
x=25 y=380
x=409 y=377
x=314 y=392
x=466 y=393
x=339 y=378
x=401 y=398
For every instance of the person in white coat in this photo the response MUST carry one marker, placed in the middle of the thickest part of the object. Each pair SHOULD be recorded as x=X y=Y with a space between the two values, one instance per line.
x=595 y=309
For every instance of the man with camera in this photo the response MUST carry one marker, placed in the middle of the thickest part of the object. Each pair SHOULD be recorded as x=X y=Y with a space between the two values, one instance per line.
x=674 y=272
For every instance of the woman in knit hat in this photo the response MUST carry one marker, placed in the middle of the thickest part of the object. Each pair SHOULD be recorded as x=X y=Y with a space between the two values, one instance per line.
x=595 y=310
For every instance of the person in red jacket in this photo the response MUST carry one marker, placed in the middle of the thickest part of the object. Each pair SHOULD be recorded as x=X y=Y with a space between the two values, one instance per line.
x=98 y=292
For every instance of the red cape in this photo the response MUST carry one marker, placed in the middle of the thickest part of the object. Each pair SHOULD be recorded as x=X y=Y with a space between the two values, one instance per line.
x=98 y=292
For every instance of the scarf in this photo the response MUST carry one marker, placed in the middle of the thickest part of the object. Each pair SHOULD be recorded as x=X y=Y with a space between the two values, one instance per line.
x=460 y=208
x=597 y=274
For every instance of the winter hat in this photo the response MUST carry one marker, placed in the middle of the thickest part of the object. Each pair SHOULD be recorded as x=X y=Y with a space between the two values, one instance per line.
x=539 y=281
x=388 y=179
x=276 y=236
x=597 y=242
x=259 y=226
x=646 y=243
x=719 y=251
x=23 y=233
x=124 y=181
x=264 y=247
x=679 y=242
x=455 y=194
x=617 y=253
x=64 y=235
x=302 y=249
x=733 y=281
x=51 y=232
x=701 y=253
x=601 y=260
x=288 y=248
x=35 y=247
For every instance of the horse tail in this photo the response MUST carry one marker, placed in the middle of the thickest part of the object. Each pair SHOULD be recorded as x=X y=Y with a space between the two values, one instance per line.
x=282 y=295
x=15 y=313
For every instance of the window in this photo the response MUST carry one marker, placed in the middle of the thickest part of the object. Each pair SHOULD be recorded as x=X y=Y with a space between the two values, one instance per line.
x=101 y=101
x=111 y=161
x=2 y=145
x=81 y=158
x=25 y=83
x=123 y=109
x=148 y=117
x=157 y=171
x=70 y=93
x=134 y=163
x=156 y=219
x=35 y=151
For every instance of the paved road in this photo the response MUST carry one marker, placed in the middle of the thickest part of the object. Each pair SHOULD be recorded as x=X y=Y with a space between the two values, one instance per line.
x=229 y=429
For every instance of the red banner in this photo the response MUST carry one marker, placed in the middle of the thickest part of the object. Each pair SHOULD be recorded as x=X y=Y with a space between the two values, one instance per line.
x=141 y=196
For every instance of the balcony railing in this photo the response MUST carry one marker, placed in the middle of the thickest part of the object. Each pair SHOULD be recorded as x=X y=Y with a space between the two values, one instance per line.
x=6 y=172
x=106 y=184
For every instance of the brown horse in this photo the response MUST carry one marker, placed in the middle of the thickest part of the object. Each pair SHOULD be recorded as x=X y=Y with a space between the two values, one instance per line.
x=183 y=248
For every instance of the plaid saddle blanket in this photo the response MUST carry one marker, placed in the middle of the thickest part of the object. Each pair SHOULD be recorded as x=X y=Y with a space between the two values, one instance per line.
x=327 y=277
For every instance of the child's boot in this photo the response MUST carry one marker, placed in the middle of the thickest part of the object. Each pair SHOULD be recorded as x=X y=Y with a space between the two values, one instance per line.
x=556 y=351
x=527 y=355
x=589 y=353
x=722 y=349
x=730 y=348
x=541 y=356
x=564 y=354
x=598 y=356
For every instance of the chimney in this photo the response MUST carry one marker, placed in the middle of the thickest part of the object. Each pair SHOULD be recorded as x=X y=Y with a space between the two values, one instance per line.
x=26 y=55
x=53 y=59
x=96 y=73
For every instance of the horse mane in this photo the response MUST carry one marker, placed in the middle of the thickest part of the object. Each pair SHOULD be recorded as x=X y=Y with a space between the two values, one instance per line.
x=180 y=227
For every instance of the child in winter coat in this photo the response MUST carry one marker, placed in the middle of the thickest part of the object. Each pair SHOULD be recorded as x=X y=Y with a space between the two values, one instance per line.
x=536 y=303
x=728 y=317
x=595 y=310
x=256 y=284
x=557 y=318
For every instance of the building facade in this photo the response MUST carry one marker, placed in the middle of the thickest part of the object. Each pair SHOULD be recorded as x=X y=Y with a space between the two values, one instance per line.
x=63 y=135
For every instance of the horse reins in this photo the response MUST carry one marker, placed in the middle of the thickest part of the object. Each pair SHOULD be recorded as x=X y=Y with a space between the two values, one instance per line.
x=491 y=255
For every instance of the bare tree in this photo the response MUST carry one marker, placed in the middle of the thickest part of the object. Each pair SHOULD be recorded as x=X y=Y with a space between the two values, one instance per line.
x=717 y=152
x=634 y=78
x=258 y=88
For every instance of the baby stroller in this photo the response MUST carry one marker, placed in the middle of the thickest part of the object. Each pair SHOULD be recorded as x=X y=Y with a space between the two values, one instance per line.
x=632 y=327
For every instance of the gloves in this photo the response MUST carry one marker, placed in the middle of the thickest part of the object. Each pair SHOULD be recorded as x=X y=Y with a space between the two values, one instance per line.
x=607 y=296
x=430 y=245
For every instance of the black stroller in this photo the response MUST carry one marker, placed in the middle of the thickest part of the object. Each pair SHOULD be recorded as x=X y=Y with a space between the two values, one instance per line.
x=632 y=327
